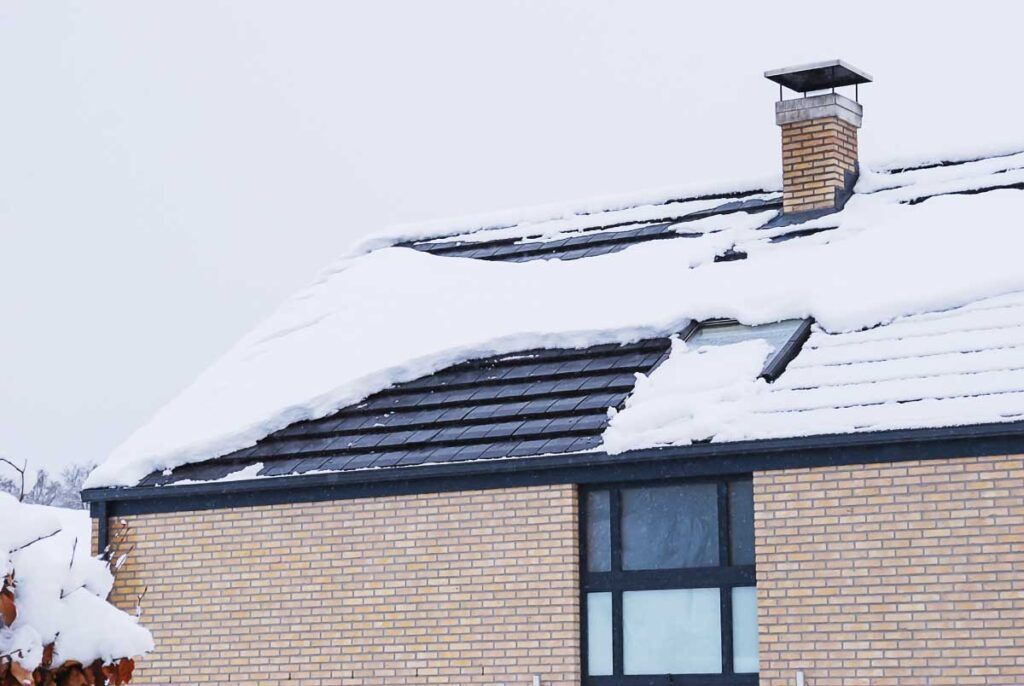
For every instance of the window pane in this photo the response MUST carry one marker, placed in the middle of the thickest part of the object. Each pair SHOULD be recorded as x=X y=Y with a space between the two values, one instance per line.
x=672 y=632
x=599 y=550
x=599 y=634
x=744 y=630
x=777 y=334
x=670 y=527
x=741 y=522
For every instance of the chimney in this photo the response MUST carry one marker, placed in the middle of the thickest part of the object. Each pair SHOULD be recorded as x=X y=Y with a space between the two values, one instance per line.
x=819 y=136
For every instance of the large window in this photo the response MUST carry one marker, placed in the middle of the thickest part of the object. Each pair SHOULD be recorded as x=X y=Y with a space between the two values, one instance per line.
x=668 y=584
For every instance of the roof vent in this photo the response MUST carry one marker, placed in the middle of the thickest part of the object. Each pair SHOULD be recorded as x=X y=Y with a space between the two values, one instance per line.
x=819 y=135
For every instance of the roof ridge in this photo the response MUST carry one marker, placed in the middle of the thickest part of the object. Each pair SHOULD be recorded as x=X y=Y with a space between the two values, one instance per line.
x=511 y=217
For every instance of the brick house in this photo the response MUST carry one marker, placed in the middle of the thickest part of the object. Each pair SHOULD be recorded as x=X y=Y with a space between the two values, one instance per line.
x=848 y=510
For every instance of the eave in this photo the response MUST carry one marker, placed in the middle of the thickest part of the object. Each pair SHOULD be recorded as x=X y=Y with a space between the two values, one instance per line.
x=698 y=460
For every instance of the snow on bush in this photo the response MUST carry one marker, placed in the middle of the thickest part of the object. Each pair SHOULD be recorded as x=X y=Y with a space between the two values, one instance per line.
x=56 y=626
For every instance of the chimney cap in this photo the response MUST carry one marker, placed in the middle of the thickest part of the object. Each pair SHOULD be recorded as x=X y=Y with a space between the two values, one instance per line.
x=818 y=76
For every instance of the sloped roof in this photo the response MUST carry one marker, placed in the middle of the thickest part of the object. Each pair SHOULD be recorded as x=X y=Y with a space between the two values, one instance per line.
x=531 y=403
x=535 y=402
x=914 y=286
x=951 y=368
x=611 y=235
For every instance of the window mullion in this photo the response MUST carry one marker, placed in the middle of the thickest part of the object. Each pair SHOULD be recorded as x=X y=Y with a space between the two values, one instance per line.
x=684 y=584
x=725 y=594
x=615 y=530
x=698 y=577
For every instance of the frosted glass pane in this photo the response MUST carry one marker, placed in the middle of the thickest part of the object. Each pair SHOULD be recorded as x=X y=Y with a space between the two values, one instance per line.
x=599 y=549
x=744 y=630
x=670 y=527
x=776 y=333
x=599 y=634
x=741 y=522
x=672 y=632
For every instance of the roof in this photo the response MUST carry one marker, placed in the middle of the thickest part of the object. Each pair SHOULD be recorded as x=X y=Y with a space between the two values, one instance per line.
x=949 y=368
x=532 y=403
x=602 y=238
x=531 y=342
x=537 y=402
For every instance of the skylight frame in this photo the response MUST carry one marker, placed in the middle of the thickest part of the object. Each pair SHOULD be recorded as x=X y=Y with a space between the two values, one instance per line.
x=777 y=362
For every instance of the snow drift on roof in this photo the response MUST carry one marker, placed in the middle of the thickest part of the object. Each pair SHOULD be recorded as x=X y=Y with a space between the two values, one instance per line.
x=566 y=216
x=690 y=397
x=396 y=314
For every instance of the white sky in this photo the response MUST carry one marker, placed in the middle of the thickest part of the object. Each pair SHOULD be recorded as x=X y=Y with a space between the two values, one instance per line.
x=171 y=171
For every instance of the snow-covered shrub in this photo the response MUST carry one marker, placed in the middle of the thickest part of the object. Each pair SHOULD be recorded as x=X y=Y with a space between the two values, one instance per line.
x=56 y=626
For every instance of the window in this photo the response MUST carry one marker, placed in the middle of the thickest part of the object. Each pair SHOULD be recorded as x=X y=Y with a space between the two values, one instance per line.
x=785 y=338
x=669 y=584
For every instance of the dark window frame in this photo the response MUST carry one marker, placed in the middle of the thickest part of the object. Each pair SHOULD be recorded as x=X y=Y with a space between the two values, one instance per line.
x=725 y=577
x=779 y=359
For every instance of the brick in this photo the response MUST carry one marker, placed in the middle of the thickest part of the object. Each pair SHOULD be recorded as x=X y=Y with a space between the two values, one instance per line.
x=816 y=154
x=426 y=589
x=929 y=597
x=905 y=574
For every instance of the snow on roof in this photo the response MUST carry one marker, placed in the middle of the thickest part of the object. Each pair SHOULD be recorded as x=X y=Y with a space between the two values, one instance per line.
x=908 y=242
x=60 y=590
x=538 y=220
x=949 y=368
x=552 y=401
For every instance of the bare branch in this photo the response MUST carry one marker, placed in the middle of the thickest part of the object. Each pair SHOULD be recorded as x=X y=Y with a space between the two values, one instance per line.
x=122 y=558
x=32 y=542
x=64 y=594
x=138 y=603
x=111 y=552
x=19 y=653
x=21 y=473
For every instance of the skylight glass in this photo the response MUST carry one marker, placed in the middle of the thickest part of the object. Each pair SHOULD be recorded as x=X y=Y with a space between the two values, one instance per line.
x=718 y=333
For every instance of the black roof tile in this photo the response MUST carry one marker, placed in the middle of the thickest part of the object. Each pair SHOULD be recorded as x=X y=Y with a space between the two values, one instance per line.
x=591 y=241
x=527 y=403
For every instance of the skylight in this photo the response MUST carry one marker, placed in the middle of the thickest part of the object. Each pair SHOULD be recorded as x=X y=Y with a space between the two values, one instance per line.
x=706 y=387
x=784 y=337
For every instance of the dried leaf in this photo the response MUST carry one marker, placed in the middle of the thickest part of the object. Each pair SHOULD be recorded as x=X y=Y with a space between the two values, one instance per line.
x=96 y=675
x=125 y=669
x=71 y=676
x=47 y=656
x=21 y=675
x=44 y=677
x=8 y=612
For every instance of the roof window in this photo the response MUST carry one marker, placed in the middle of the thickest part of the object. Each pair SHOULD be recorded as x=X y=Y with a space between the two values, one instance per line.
x=785 y=337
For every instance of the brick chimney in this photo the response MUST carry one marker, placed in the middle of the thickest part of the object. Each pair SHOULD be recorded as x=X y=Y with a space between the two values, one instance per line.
x=819 y=136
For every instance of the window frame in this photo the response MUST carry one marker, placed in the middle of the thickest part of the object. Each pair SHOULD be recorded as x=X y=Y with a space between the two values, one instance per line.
x=725 y=577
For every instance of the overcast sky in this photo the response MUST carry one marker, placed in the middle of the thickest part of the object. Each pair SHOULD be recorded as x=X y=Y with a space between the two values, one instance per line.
x=171 y=171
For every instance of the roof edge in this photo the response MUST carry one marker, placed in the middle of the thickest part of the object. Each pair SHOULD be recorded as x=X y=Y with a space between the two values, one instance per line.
x=705 y=459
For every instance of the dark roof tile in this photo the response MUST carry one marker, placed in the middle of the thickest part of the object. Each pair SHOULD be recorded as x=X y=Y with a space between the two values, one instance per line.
x=527 y=403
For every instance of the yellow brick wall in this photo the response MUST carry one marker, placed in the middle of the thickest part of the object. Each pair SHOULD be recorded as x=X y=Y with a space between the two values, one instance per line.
x=909 y=574
x=816 y=154
x=476 y=587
